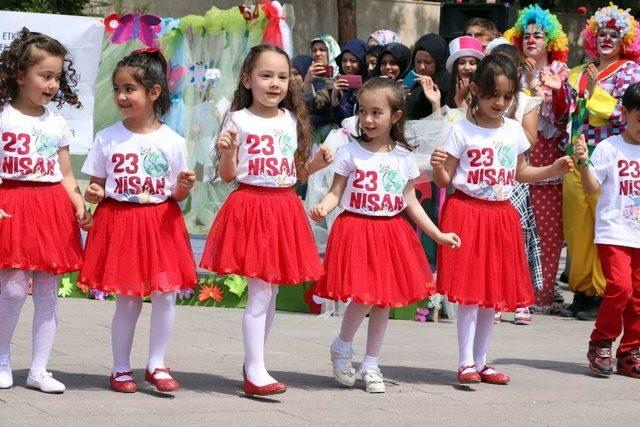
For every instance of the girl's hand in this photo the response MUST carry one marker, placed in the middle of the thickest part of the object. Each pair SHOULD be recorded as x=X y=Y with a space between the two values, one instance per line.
x=85 y=219
x=551 y=80
x=318 y=212
x=592 y=78
x=530 y=66
x=462 y=90
x=3 y=214
x=94 y=193
x=438 y=158
x=430 y=89
x=580 y=151
x=340 y=84
x=186 y=179
x=323 y=157
x=228 y=142
x=562 y=166
x=449 y=239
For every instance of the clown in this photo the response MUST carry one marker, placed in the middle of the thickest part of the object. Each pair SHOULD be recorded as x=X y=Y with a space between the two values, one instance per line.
x=593 y=98
x=538 y=35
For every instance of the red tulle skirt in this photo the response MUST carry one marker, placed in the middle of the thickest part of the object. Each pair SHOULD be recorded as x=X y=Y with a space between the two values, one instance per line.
x=263 y=232
x=42 y=233
x=136 y=249
x=375 y=260
x=490 y=267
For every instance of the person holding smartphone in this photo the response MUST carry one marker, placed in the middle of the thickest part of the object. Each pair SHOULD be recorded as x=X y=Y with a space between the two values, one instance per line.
x=319 y=80
x=353 y=70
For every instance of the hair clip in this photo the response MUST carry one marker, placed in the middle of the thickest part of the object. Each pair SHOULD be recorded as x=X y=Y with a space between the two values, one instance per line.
x=147 y=50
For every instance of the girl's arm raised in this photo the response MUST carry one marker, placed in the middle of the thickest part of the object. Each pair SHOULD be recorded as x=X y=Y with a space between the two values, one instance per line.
x=526 y=173
x=444 y=165
x=331 y=199
x=228 y=146
x=71 y=186
x=422 y=220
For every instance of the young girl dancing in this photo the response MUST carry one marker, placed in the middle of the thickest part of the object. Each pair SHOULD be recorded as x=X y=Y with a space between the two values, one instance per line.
x=139 y=244
x=262 y=231
x=482 y=157
x=373 y=255
x=40 y=202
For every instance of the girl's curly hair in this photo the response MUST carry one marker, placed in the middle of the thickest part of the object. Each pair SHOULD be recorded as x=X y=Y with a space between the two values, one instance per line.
x=243 y=98
x=26 y=50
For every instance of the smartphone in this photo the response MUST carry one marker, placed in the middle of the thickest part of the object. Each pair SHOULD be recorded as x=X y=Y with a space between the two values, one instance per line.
x=328 y=71
x=354 y=80
x=409 y=80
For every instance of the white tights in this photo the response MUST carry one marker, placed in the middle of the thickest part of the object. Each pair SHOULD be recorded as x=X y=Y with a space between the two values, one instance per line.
x=474 y=332
x=256 y=324
x=14 y=288
x=128 y=308
x=378 y=320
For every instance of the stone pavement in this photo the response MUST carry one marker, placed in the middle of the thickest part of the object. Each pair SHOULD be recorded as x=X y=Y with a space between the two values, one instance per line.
x=550 y=381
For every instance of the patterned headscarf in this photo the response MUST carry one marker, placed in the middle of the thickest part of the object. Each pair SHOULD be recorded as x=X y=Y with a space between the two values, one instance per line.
x=332 y=47
x=384 y=37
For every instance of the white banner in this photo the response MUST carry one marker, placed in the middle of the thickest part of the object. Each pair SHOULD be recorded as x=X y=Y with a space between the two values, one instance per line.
x=82 y=36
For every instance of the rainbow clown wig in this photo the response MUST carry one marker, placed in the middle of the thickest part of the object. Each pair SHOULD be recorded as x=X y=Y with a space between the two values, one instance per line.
x=619 y=19
x=557 y=41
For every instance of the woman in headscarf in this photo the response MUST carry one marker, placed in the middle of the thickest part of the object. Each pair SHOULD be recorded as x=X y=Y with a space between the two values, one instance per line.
x=429 y=59
x=350 y=62
x=394 y=61
x=319 y=79
x=383 y=38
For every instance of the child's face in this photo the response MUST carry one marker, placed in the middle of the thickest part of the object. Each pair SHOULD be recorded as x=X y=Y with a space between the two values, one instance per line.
x=633 y=123
x=320 y=53
x=375 y=115
x=534 y=41
x=467 y=66
x=269 y=79
x=131 y=97
x=40 y=82
x=350 y=64
x=389 y=67
x=371 y=60
x=424 y=63
x=494 y=105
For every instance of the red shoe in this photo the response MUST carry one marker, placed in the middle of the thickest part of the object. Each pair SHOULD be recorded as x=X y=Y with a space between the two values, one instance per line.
x=128 y=386
x=168 y=384
x=471 y=377
x=494 y=378
x=250 y=389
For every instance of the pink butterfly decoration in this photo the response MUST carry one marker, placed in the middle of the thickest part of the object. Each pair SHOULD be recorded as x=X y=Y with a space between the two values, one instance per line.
x=133 y=26
x=175 y=76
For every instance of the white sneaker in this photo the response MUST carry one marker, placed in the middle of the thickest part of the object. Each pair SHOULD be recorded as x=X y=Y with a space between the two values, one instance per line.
x=343 y=370
x=373 y=380
x=6 y=378
x=45 y=382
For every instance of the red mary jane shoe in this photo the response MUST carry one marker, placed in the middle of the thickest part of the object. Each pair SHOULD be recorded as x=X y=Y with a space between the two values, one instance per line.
x=128 y=386
x=468 y=377
x=168 y=384
x=250 y=389
x=494 y=378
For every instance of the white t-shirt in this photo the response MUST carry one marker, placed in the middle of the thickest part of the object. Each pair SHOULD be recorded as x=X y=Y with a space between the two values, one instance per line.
x=30 y=145
x=139 y=168
x=376 y=181
x=266 y=148
x=487 y=158
x=616 y=165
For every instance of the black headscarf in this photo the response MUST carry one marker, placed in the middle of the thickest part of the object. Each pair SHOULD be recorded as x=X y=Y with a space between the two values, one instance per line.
x=417 y=104
x=357 y=48
x=402 y=55
x=302 y=64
